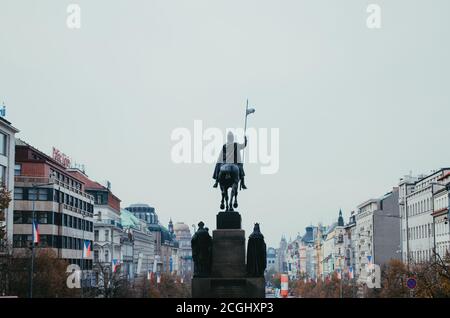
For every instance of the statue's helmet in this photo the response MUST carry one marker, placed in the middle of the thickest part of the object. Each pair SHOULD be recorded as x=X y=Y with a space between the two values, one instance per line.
x=201 y=225
x=256 y=228
x=230 y=137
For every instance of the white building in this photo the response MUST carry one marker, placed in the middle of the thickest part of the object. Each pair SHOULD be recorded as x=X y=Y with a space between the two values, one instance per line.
x=7 y=172
x=143 y=244
x=334 y=248
x=441 y=217
x=108 y=229
x=183 y=237
x=418 y=240
x=350 y=243
x=405 y=188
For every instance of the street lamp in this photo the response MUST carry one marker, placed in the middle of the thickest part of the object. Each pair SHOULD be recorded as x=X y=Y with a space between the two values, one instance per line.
x=83 y=226
x=34 y=187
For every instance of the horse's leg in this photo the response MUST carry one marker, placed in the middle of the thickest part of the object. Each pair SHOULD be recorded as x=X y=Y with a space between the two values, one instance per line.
x=222 y=205
x=226 y=198
x=231 y=198
x=235 y=192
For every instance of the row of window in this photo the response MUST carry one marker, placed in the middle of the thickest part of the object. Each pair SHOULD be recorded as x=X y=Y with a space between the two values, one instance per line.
x=48 y=240
x=421 y=256
x=419 y=232
x=70 y=181
x=46 y=217
x=87 y=263
x=48 y=194
x=441 y=203
x=419 y=207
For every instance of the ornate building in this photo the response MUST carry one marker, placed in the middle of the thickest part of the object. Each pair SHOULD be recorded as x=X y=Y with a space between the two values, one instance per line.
x=183 y=237
x=166 y=247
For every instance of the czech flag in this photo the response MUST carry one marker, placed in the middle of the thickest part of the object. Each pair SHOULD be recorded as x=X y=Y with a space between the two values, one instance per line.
x=87 y=248
x=115 y=264
x=350 y=272
x=35 y=232
x=339 y=275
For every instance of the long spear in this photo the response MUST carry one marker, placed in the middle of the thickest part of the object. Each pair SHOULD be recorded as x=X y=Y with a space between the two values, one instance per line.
x=248 y=111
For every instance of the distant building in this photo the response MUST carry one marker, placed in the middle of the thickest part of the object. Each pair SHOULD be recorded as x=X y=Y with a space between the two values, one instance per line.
x=107 y=223
x=417 y=214
x=281 y=265
x=441 y=217
x=292 y=258
x=377 y=232
x=271 y=258
x=334 y=248
x=140 y=242
x=350 y=242
x=183 y=237
x=318 y=250
x=7 y=173
x=310 y=256
x=166 y=247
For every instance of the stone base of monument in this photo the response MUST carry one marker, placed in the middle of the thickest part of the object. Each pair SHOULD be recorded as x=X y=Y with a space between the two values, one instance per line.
x=213 y=287
x=228 y=278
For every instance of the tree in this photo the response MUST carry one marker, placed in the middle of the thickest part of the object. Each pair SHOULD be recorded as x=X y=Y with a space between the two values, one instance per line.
x=170 y=286
x=433 y=277
x=110 y=284
x=5 y=199
x=49 y=279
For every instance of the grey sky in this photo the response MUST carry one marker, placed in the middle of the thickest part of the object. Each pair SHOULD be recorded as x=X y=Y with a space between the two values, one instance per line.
x=356 y=108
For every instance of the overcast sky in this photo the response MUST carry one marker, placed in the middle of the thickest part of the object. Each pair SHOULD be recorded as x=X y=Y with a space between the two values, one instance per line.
x=356 y=108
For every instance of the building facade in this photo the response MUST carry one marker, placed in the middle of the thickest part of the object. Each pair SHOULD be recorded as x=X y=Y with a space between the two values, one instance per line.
x=334 y=248
x=7 y=172
x=271 y=258
x=62 y=207
x=377 y=233
x=108 y=228
x=183 y=237
x=141 y=243
x=418 y=230
x=166 y=247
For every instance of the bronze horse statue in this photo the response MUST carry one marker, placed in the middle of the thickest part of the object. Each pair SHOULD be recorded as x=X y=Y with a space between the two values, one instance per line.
x=229 y=178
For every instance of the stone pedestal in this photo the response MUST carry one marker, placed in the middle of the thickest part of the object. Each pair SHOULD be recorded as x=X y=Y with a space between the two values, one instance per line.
x=212 y=287
x=228 y=221
x=228 y=277
x=228 y=253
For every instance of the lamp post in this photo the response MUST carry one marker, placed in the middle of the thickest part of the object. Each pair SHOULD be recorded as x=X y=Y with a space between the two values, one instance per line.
x=83 y=226
x=34 y=187
x=447 y=187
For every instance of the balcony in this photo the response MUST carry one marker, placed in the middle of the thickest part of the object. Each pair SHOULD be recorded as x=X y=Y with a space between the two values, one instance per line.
x=56 y=182
x=99 y=222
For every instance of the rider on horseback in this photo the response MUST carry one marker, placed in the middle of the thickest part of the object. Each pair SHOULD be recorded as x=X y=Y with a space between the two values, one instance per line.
x=231 y=153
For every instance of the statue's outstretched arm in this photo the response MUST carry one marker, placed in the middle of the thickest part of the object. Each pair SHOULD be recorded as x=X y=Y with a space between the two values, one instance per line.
x=242 y=146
